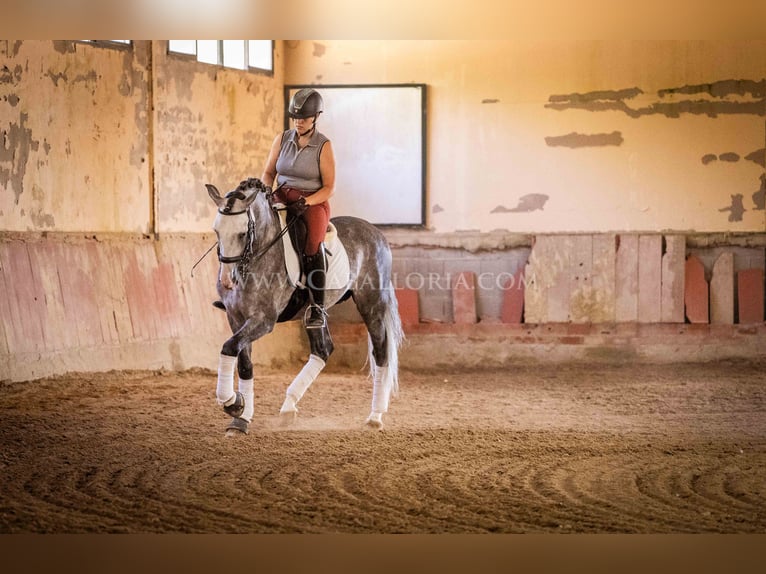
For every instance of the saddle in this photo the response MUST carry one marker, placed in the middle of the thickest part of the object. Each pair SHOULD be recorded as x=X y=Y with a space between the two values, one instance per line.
x=336 y=264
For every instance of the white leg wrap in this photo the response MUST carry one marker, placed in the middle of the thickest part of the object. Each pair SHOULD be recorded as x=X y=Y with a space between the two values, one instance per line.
x=224 y=392
x=382 y=385
x=246 y=388
x=302 y=382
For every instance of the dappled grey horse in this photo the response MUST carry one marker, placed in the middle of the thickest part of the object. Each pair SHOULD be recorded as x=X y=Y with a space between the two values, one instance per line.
x=255 y=290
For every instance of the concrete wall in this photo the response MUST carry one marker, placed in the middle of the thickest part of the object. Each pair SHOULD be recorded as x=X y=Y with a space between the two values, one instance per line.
x=75 y=124
x=120 y=302
x=566 y=136
x=213 y=125
x=123 y=139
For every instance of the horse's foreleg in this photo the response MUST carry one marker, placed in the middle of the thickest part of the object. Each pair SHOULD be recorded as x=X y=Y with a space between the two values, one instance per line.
x=236 y=351
x=321 y=349
x=224 y=391
x=245 y=371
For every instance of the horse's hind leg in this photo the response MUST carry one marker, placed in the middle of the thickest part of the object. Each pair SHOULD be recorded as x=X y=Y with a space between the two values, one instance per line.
x=321 y=349
x=381 y=316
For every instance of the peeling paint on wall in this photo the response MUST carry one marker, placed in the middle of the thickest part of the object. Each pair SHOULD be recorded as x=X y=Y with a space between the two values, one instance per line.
x=759 y=197
x=41 y=219
x=527 y=203
x=319 y=50
x=736 y=209
x=64 y=46
x=489 y=101
x=10 y=48
x=11 y=77
x=575 y=140
x=758 y=156
x=743 y=97
x=14 y=155
x=721 y=89
x=437 y=208
x=616 y=100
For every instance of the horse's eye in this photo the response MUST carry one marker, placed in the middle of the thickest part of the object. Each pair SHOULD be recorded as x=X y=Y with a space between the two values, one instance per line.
x=242 y=235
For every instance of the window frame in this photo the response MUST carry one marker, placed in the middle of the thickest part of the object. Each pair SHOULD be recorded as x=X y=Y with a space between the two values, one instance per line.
x=249 y=68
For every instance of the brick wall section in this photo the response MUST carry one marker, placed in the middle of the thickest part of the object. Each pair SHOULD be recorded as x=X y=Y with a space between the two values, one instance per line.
x=649 y=278
x=750 y=291
x=673 y=279
x=602 y=278
x=409 y=308
x=63 y=300
x=722 y=290
x=696 y=296
x=431 y=271
x=464 y=298
x=626 y=279
x=512 y=310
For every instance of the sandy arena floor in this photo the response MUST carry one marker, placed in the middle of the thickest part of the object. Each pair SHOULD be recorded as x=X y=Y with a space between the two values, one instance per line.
x=573 y=448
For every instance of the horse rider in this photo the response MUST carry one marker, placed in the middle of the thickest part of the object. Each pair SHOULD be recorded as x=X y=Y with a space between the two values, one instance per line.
x=302 y=163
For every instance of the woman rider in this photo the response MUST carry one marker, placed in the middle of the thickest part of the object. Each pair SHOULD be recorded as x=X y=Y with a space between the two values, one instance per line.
x=302 y=163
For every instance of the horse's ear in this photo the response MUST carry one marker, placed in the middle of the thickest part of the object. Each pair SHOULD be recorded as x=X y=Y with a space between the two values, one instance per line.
x=214 y=194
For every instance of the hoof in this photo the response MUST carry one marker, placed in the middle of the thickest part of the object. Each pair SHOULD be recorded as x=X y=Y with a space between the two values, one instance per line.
x=375 y=421
x=237 y=427
x=236 y=408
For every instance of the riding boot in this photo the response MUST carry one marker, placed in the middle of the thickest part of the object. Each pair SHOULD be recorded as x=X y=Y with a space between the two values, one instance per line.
x=316 y=278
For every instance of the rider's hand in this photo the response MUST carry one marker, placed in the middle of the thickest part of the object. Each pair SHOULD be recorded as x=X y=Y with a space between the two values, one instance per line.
x=298 y=207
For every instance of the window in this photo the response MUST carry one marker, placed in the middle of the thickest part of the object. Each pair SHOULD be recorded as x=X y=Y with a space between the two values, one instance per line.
x=239 y=54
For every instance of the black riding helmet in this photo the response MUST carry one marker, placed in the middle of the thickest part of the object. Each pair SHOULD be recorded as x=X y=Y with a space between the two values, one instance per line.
x=305 y=103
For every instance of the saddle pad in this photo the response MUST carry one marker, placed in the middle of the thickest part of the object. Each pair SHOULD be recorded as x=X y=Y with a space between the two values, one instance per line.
x=337 y=258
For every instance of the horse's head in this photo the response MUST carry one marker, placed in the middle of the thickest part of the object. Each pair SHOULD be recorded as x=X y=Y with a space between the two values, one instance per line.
x=235 y=222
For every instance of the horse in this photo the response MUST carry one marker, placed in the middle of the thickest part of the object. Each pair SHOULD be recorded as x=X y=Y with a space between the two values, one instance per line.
x=255 y=291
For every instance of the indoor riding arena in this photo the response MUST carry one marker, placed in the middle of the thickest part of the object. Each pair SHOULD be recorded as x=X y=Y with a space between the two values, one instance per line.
x=577 y=232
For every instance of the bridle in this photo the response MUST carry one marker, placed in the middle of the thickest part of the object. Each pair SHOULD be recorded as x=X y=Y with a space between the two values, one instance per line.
x=244 y=258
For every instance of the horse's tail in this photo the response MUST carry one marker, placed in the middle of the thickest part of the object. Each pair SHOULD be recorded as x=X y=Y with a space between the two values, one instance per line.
x=394 y=338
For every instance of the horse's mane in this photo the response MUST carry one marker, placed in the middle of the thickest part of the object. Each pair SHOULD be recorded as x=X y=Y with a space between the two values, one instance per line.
x=250 y=184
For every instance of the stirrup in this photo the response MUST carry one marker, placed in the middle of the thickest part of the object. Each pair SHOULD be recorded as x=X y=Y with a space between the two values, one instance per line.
x=319 y=323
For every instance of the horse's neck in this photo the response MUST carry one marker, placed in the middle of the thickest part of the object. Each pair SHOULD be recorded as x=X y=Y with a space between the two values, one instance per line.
x=266 y=224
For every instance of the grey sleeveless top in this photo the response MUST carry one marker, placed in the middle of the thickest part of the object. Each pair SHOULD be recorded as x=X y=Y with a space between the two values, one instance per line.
x=299 y=168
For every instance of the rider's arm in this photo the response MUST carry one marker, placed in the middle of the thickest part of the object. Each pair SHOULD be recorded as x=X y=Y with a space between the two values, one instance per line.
x=327 y=171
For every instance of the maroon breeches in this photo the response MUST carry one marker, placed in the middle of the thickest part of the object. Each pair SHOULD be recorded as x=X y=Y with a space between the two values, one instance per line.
x=317 y=217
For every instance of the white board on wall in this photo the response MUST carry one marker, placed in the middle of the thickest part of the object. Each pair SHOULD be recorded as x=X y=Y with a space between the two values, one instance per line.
x=378 y=134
